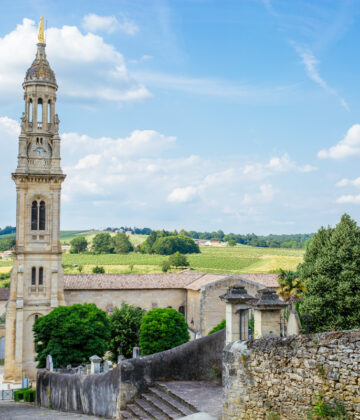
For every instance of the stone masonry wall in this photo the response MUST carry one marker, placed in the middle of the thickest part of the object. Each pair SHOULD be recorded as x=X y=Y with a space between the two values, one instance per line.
x=105 y=394
x=284 y=376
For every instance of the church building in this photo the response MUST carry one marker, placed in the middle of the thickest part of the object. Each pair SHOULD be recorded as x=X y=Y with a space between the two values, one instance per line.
x=37 y=279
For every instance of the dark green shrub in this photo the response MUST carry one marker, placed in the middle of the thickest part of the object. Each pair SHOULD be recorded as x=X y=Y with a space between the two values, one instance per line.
x=30 y=395
x=162 y=329
x=220 y=326
x=178 y=260
x=98 y=270
x=19 y=394
x=165 y=266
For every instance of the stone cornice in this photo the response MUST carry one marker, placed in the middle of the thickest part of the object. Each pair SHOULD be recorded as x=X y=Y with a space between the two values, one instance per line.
x=45 y=178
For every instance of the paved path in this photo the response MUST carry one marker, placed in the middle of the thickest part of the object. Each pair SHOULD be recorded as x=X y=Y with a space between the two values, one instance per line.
x=10 y=410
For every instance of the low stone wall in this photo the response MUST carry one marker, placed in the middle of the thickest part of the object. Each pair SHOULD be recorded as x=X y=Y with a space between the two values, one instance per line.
x=105 y=394
x=284 y=376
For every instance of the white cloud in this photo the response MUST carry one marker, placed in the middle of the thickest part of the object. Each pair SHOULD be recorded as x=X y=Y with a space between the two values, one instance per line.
x=349 y=199
x=266 y=195
x=182 y=195
x=9 y=126
x=85 y=65
x=311 y=66
x=275 y=165
x=109 y=24
x=348 y=146
x=349 y=183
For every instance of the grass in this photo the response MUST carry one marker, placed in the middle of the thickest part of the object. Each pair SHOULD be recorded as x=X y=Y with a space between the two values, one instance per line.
x=238 y=259
x=67 y=235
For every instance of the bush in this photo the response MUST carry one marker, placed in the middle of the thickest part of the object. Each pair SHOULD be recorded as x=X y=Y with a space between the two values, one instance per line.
x=98 y=270
x=220 y=326
x=19 y=394
x=232 y=242
x=165 y=266
x=30 y=395
x=178 y=260
x=71 y=334
x=125 y=325
x=162 y=329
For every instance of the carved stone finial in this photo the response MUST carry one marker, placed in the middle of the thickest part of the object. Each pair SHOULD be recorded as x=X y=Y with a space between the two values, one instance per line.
x=41 y=35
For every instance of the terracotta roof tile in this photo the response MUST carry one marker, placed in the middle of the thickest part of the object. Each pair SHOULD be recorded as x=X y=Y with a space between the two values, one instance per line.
x=130 y=281
x=191 y=280
x=267 y=279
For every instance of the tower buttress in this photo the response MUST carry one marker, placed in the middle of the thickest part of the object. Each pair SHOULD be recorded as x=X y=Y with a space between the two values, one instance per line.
x=37 y=274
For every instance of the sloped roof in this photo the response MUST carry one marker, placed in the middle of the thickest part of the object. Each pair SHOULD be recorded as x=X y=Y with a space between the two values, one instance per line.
x=190 y=280
x=267 y=279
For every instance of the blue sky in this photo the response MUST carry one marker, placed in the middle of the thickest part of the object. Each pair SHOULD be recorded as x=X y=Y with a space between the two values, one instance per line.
x=241 y=115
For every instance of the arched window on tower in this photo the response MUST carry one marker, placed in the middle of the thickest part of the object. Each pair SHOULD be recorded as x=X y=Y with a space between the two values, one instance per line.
x=49 y=112
x=42 y=216
x=41 y=276
x=34 y=215
x=30 y=110
x=40 y=110
x=33 y=276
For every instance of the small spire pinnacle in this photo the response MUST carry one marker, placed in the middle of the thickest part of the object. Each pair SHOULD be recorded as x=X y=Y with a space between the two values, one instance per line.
x=41 y=35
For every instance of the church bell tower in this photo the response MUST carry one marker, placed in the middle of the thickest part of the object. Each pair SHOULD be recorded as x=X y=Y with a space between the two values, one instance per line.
x=37 y=274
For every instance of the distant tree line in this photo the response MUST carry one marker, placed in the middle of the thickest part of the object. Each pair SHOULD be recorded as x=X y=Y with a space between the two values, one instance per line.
x=270 y=241
x=134 y=230
x=7 y=244
x=7 y=230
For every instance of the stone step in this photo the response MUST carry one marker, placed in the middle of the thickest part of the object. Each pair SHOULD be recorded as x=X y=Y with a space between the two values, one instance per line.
x=124 y=415
x=149 y=409
x=162 y=387
x=137 y=412
x=178 y=405
x=161 y=406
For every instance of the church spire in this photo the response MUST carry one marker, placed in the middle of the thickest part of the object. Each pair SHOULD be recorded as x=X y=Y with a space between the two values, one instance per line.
x=41 y=36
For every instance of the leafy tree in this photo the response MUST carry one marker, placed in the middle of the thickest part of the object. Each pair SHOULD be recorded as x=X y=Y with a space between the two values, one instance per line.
x=78 y=245
x=165 y=266
x=102 y=244
x=121 y=244
x=178 y=260
x=291 y=286
x=232 y=242
x=71 y=334
x=170 y=244
x=331 y=271
x=125 y=324
x=220 y=326
x=98 y=270
x=162 y=329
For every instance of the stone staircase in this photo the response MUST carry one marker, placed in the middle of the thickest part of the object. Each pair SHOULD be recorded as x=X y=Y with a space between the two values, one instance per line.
x=159 y=403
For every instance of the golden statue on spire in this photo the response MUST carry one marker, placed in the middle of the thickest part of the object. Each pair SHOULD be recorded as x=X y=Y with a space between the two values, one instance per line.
x=41 y=36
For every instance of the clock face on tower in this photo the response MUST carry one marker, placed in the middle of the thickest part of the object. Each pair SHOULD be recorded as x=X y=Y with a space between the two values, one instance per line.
x=39 y=150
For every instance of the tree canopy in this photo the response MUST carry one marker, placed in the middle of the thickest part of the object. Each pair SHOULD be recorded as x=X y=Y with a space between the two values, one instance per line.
x=102 y=244
x=125 y=324
x=159 y=242
x=178 y=260
x=331 y=271
x=78 y=245
x=162 y=329
x=121 y=244
x=71 y=334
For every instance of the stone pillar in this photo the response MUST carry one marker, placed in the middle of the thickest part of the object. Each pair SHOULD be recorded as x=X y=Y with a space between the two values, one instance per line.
x=136 y=352
x=237 y=313
x=95 y=364
x=267 y=311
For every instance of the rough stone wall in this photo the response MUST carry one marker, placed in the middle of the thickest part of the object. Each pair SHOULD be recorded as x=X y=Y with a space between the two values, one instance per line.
x=285 y=375
x=106 y=393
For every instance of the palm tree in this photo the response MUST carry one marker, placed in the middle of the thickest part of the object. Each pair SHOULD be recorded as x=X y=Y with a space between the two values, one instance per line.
x=291 y=286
